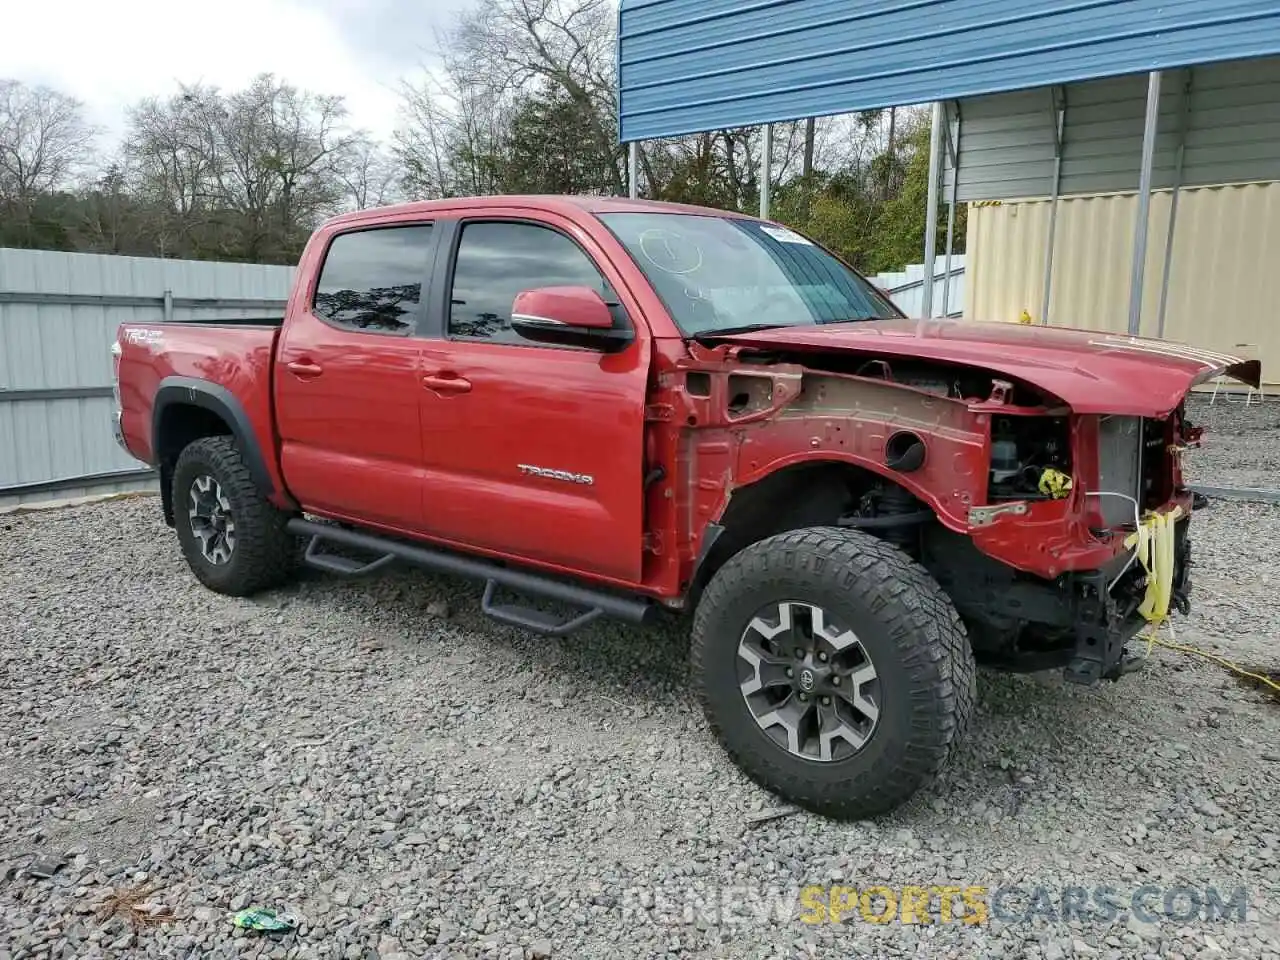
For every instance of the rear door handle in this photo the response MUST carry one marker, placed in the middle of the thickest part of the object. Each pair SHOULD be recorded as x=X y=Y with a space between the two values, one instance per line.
x=446 y=383
x=304 y=369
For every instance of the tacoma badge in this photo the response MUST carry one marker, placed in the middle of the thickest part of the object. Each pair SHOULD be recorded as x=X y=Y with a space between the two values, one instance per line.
x=583 y=478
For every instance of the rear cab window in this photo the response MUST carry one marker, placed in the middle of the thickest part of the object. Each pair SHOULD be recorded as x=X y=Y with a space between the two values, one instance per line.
x=373 y=280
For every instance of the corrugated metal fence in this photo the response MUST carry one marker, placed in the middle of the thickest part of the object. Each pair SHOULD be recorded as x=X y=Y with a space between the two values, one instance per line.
x=58 y=317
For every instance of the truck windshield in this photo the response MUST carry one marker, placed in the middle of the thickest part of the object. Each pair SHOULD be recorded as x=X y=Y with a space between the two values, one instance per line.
x=723 y=275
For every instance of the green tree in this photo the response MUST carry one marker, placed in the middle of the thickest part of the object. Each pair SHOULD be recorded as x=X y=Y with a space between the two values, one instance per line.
x=900 y=227
x=550 y=149
x=851 y=213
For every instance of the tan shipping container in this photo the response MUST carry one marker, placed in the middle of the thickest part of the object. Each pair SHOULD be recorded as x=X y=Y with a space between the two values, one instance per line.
x=1224 y=281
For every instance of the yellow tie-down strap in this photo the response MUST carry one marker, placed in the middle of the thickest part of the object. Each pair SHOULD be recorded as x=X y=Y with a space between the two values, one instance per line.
x=1153 y=544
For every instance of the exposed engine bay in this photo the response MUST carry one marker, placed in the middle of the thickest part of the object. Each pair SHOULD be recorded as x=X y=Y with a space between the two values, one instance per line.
x=1019 y=621
x=1023 y=447
x=1024 y=509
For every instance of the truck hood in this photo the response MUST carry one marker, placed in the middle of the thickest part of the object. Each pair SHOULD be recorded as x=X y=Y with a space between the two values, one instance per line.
x=1091 y=371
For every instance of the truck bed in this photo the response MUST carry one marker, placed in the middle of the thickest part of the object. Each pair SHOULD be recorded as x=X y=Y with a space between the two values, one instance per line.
x=159 y=360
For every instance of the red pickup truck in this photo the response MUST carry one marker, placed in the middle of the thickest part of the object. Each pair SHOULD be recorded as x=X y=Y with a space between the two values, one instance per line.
x=621 y=406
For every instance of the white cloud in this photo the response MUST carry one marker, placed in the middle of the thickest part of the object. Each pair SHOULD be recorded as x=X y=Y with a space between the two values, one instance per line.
x=111 y=54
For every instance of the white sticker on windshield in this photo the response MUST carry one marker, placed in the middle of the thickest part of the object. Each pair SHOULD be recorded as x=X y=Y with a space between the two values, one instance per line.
x=783 y=235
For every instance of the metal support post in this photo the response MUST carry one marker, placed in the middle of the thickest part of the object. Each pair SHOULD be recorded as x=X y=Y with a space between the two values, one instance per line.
x=1058 y=98
x=953 y=152
x=931 y=211
x=766 y=170
x=1184 y=120
x=1144 y=203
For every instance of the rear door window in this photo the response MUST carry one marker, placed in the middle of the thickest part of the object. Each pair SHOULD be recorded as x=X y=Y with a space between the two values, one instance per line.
x=373 y=280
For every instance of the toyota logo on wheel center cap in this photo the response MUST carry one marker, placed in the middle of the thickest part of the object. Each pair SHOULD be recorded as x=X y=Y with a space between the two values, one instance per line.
x=806 y=680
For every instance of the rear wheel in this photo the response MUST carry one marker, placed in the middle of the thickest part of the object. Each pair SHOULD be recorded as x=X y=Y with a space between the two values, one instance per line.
x=833 y=669
x=234 y=540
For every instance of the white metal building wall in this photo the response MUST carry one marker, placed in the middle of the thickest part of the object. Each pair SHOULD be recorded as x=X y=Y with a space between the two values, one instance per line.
x=906 y=288
x=58 y=317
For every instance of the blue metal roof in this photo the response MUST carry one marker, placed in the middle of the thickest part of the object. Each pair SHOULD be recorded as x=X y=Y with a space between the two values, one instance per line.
x=691 y=65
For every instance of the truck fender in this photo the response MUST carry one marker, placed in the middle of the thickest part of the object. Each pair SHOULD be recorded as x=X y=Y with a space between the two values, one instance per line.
x=220 y=401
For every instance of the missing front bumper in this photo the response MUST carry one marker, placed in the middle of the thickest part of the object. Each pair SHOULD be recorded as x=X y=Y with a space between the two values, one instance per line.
x=1107 y=617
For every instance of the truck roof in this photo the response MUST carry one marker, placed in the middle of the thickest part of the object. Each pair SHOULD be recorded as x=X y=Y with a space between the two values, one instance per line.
x=551 y=202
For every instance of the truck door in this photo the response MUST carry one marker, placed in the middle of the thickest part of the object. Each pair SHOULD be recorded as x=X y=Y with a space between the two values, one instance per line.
x=347 y=381
x=530 y=450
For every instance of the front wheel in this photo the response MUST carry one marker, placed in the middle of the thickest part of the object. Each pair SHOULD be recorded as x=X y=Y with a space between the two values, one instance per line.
x=833 y=669
x=233 y=539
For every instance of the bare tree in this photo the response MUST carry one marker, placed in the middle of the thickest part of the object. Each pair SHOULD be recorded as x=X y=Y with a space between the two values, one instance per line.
x=45 y=142
x=283 y=151
x=174 y=161
x=454 y=136
x=246 y=174
x=527 y=98
x=369 y=176
x=478 y=141
x=524 y=100
x=421 y=141
x=810 y=130
x=111 y=218
x=557 y=48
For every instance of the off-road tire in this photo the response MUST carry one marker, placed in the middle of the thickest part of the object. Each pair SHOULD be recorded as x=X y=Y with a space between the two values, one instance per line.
x=265 y=553
x=910 y=630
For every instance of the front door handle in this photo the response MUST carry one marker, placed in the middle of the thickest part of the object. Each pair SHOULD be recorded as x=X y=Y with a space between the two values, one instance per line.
x=446 y=383
x=304 y=369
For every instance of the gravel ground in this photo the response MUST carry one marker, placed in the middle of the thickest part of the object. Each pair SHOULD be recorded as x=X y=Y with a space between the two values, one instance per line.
x=416 y=784
x=1241 y=444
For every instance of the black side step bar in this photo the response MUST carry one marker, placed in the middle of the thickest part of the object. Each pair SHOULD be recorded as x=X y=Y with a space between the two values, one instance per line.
x=531 y=619
x=343 y=566
x=593 y=603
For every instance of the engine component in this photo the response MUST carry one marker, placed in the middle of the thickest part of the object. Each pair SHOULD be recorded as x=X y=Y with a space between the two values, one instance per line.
x=892 y=514
x=1004 y=460
x=1029 y=459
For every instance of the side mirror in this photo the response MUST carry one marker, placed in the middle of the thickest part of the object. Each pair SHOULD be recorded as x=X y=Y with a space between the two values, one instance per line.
x=568 y=316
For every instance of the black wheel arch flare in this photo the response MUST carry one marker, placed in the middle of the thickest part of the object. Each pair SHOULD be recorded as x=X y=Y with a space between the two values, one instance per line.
x=222 y=403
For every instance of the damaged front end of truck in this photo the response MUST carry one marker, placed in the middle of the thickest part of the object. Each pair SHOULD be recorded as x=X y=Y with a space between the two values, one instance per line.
x=1037 y=478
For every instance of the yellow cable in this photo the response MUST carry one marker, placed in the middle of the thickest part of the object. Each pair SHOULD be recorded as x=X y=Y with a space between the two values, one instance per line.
x=1221 y=661
x=1153 y=544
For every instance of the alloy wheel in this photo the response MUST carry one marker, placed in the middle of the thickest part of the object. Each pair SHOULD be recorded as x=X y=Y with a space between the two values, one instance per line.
x=808 y=681
x=211 y=520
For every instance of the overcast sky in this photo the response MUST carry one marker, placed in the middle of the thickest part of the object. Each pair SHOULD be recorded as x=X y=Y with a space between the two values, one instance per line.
x=111 y=53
